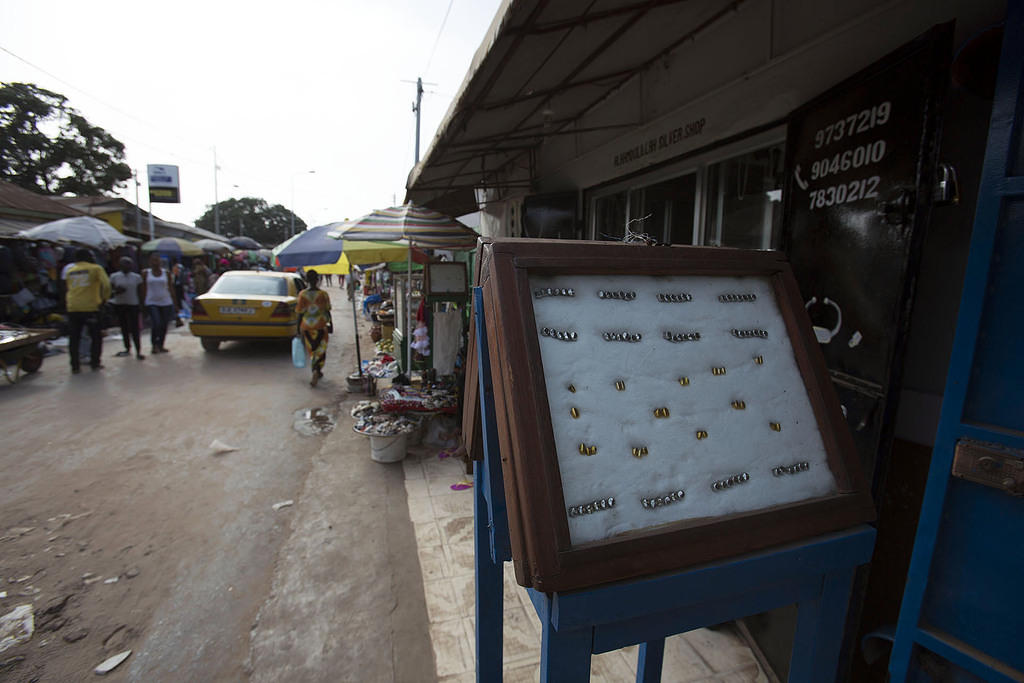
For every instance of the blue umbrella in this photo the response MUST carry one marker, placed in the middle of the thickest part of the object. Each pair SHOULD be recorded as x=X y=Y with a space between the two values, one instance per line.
x=309 y=248
x=243 y=242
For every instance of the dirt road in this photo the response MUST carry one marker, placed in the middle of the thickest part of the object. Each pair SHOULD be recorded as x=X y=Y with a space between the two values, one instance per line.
x=124 y=530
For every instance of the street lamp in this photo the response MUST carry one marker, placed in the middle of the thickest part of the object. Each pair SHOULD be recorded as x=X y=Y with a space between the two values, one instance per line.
x=292 y=207
x=216 y=201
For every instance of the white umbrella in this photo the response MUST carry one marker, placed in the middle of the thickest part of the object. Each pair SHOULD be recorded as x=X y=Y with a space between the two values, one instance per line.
x=92 y=232
x=213 y=246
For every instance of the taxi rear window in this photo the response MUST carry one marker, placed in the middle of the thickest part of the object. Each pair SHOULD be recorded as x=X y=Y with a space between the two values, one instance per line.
x=249 y=285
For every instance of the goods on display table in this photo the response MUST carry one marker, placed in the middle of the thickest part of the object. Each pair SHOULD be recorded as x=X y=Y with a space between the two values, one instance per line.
x=20 y=351
x=381 y=367
x=404 y=411
x=371 y=421
x=430 y=400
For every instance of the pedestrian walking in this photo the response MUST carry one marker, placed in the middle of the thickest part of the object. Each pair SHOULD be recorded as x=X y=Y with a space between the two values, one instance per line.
x=158 y=295
x=127 y=286
x=87 y=288
x=201 y=277
x=315 y=324
x=178 y=277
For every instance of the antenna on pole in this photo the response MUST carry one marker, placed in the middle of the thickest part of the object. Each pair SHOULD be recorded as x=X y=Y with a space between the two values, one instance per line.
x=417 y=107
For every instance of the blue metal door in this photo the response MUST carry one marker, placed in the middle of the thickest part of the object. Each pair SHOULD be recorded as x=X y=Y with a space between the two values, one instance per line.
x=962 y=617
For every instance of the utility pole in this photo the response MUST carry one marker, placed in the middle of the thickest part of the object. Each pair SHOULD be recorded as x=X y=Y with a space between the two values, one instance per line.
x=138 y=209
x=216 y=207
x=417 y=107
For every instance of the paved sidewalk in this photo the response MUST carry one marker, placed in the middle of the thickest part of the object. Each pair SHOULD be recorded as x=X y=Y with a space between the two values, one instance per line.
x=443 y=521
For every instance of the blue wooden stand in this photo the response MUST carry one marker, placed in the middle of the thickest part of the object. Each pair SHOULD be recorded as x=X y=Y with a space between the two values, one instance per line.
x=815 y=574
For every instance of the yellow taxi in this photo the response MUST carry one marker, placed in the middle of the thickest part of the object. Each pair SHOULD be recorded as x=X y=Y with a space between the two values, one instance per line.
x=246 y=304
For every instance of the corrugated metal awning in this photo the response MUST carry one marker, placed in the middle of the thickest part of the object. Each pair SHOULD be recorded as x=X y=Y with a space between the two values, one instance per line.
x=542 y=67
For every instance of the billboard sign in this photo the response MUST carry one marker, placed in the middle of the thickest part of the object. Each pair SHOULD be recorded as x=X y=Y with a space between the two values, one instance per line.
x=163 y=183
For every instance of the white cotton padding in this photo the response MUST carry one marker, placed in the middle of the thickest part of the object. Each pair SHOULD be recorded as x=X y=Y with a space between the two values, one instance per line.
x=738 y=441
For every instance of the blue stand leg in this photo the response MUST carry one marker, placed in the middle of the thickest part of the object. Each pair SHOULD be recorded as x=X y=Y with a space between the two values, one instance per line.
x=565 y=655
x=489 y=589
x=649 y=661
x=819 y=630
x=490 y=522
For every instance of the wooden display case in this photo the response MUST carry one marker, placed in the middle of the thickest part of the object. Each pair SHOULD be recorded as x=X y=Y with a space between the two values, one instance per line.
x=657 y=408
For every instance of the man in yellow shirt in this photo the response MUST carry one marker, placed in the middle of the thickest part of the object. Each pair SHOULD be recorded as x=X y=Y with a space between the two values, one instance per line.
x=88 y=287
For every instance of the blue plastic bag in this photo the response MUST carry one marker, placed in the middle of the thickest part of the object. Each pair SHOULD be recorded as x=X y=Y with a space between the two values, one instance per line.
x=298 y=353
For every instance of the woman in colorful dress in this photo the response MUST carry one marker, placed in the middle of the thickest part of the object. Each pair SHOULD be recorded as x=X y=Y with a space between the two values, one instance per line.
x=314 y=326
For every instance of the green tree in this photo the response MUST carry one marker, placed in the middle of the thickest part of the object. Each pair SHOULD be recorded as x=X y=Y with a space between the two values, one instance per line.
x=252 y=217
x=47 y=146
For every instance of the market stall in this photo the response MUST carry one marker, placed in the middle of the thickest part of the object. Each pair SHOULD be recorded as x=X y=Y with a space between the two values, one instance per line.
x=420 y=228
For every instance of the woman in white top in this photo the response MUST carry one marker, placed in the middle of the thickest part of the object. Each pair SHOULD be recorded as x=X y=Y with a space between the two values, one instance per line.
x=126 y=286
x=162 y=306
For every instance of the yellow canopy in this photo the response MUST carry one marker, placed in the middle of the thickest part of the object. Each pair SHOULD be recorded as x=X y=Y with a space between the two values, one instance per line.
x=358 y=253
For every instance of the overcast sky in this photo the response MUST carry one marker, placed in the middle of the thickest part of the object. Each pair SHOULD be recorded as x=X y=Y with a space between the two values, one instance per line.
x=279 y=88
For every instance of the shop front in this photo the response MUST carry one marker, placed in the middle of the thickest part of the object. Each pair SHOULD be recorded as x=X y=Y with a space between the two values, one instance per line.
x=848 y=135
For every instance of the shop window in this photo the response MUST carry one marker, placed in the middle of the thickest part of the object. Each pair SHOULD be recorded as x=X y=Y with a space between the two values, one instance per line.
x=665 y=210
x=744 y=200
x=610 y=217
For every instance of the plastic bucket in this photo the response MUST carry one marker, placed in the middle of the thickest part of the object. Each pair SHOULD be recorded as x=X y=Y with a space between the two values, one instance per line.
x=388 y=448
x=415 y=437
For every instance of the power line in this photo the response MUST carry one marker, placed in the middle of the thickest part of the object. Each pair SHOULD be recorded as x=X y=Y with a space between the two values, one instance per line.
x=177 y=154
x=438 y=38
x=104 y=103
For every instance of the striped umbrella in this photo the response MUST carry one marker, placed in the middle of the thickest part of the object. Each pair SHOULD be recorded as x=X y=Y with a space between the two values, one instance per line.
x=423 y=227
x=420 y=227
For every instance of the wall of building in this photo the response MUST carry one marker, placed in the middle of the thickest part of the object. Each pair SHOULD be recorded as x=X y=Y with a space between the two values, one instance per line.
x=114 y=218
x=745 y=75
x=749 y=70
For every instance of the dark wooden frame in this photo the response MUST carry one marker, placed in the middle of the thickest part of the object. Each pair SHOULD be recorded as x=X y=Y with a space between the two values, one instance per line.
x=543 y=555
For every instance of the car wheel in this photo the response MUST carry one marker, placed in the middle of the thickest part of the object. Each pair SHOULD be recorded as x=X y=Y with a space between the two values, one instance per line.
x=210 y=344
